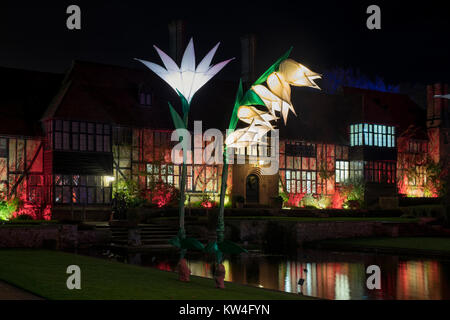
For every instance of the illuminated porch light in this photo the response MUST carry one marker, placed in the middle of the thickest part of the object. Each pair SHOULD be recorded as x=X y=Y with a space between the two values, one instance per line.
x=109 y=179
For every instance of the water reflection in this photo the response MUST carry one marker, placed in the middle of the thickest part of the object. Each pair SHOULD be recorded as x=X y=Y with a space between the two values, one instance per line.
x=330 y=275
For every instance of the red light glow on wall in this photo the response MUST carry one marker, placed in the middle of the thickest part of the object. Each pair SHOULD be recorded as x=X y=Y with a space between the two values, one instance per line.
x=295 y=199
x=33 y=211
x=338 y=199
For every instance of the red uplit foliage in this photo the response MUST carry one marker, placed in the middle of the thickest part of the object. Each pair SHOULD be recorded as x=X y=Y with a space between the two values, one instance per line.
x=163 y=265
x=207 y=204
x=294 y=199
x=338 y=199
x=403 y=185
x=34 y=211
x=433 y=192
x=163 y=194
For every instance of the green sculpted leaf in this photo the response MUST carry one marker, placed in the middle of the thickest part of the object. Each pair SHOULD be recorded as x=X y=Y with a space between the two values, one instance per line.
x=230 y=247
x=234 y=118
x=185 y=106
x=175 y=241
x=272 y=68
x=177 y=121
x=211 y=247
x=192 y=243
x=252 y=99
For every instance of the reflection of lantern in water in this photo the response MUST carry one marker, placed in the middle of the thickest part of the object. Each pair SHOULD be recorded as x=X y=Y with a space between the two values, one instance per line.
x=342 y=288
x=287 y=278
x=228 y=275
x=199 y=268
x=418 y=280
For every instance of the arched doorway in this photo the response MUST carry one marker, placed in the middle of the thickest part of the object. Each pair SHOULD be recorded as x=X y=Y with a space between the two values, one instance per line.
x=252 y=189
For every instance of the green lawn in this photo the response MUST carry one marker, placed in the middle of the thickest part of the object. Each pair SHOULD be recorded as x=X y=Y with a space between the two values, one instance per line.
x=44 y=273
x=314 y=219
x=410 y=243
x=306 y=219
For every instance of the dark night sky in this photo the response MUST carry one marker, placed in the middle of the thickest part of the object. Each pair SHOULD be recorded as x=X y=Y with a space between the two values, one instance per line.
x=413 y=45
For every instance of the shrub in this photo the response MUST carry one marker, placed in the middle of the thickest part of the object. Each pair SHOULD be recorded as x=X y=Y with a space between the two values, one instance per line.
x=294 y=199
x=354 y=191
x=7 y=208
x=127 y=194
x=22 y=217
x=323 y=202
x=278 y=201
x=164 y=194
x=238 y=199
x=309 y=201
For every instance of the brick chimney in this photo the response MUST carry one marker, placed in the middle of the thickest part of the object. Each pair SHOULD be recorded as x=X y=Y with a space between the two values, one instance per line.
x=438 y=124
x=248 y=50
x=177 y=39
x=437 y=108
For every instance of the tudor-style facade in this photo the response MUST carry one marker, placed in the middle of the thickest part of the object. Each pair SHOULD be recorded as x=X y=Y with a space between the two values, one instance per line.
x=105 y=124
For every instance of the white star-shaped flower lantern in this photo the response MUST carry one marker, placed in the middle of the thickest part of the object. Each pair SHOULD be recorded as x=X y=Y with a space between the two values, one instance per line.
x=186 y=79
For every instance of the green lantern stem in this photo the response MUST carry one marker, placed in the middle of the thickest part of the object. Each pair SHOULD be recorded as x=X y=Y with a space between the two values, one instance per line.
x=250 y=98
x=181 y=124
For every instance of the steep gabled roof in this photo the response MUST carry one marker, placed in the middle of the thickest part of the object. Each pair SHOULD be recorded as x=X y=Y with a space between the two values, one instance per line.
x=24 y=96
x=104 y=93
x=391 y=108
x=320 y=117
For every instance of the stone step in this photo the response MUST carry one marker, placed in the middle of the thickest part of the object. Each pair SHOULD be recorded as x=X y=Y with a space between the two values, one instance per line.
x=156 y=246
x=158 y=231
x=147 y=232
x=150 y=242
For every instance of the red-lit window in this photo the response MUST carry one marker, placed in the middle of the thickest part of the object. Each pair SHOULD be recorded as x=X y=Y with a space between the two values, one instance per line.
x=380 y=171
x=35 y=188
x=417 y=146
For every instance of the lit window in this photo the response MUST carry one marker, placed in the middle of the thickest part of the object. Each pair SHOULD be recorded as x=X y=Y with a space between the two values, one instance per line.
x=352 y=135
x=342 y=171
x=356 y=170
x=300 y=181
x=372 y=135
x=167 y=173
x=79 y=189
x=3 y=147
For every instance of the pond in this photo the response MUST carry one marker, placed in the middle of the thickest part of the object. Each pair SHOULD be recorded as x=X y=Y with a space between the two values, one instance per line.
x=326 y=274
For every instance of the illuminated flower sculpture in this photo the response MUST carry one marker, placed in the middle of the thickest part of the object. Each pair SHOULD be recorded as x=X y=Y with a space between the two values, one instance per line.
x=186 y=80
x=275 y=97
x=445 y=96
x=258 y=107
